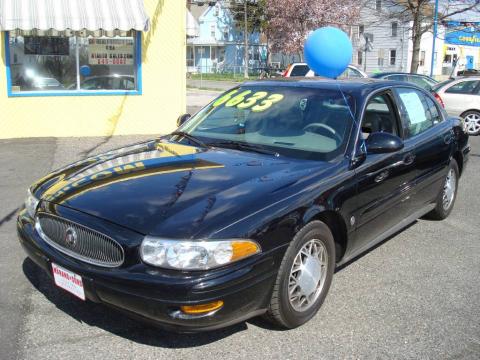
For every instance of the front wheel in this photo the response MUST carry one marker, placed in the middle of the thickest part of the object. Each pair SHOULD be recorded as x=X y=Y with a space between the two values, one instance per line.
x=304 y=277
x=448 y=194
x=472 y=122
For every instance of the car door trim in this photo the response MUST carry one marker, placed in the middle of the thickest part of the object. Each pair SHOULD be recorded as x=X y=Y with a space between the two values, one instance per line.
x=386 y=234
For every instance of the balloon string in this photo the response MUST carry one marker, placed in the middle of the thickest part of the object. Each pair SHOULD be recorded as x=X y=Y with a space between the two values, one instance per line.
x=346 y=102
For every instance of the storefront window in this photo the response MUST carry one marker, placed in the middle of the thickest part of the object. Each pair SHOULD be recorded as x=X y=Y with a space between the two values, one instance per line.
x=40 y=64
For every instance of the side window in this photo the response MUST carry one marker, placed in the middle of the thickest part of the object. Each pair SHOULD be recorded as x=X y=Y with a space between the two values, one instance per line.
x=379 y=116
x=435 y=114
x=300 y=70
x=464 y=87
x=415 y=111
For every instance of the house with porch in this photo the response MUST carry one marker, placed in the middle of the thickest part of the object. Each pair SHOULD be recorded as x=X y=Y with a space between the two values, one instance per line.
x=215 y=44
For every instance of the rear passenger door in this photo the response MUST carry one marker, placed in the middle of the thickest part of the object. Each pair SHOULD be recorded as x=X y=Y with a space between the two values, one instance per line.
x=430 y=139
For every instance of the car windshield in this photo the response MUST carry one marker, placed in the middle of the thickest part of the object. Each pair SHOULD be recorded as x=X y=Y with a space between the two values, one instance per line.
x=301 y=122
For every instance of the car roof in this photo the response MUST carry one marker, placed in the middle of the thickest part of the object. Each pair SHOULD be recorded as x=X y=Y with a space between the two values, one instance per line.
x=378 y=75
x=352 y=84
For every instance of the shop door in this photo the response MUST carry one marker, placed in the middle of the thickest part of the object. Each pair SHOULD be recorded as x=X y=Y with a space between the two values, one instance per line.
x=469 y=65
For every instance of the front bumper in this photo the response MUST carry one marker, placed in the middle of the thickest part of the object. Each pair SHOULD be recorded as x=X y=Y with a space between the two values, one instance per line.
x=155 y=295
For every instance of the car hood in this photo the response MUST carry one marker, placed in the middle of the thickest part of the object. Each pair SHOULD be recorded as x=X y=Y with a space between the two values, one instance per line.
x=173 y=190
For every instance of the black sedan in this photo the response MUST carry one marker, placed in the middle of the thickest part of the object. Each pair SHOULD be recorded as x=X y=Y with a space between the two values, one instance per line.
x=424 y=81
x=250 y=205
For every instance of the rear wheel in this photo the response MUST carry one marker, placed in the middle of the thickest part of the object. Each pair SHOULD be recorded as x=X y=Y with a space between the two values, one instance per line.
x=472 y=122
x=304 y=277
x=448 y=194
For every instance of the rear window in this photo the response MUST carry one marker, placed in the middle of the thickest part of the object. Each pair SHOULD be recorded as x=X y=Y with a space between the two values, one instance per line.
x=300 y=70
x=442 y=84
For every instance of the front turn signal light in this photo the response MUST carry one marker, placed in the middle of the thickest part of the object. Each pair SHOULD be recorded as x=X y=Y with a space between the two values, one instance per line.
x=202 y=308
x=243 y=249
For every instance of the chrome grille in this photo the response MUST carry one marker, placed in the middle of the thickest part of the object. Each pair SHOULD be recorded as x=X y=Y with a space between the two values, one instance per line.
x=79 y=241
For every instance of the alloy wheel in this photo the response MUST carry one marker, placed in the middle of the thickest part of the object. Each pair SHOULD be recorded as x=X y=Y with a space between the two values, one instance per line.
x=472 y=122
x=307 y=275
x=449 y=189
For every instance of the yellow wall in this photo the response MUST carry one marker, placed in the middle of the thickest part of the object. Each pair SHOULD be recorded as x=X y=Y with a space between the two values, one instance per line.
x=154 y=112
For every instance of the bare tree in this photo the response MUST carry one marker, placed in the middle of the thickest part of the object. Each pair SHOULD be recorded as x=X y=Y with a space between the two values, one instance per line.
x=249 y=16
x=420 y=15
x=290 y=21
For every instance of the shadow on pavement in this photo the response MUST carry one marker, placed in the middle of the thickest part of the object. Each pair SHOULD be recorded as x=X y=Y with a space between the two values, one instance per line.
x=9 y=216
x=116 y=322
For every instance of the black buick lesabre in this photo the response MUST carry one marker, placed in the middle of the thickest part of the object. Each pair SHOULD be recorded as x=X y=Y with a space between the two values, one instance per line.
x=250 y=205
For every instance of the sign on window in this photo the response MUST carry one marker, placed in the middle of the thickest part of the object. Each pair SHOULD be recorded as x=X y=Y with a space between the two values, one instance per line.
x=110 y=51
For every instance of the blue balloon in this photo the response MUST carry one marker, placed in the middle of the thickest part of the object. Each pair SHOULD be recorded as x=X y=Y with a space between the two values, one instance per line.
x=85 y=70
x=328 y=51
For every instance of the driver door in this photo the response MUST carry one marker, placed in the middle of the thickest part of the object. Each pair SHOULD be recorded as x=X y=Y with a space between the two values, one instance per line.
x=384 y=181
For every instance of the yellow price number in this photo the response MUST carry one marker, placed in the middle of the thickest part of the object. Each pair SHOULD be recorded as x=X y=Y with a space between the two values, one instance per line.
x=237 y=99
x=268 y=102
x=222 y=100
x=258 y=102
x=252 y=100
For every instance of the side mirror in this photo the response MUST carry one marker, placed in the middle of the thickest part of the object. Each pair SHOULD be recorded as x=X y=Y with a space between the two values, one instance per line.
x=382 y=143
x=182 y=119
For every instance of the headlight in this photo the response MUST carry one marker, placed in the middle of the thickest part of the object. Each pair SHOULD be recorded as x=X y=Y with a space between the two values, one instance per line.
x=31 y=203
x=195 y=255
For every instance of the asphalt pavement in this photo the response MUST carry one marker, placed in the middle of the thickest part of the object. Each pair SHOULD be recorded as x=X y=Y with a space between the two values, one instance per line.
x=416 y=295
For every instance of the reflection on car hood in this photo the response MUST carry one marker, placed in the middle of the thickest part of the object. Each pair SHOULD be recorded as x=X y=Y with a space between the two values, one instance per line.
x=169 y=189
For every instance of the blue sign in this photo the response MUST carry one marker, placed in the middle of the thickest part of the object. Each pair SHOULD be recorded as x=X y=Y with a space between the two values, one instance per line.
x=462 y=37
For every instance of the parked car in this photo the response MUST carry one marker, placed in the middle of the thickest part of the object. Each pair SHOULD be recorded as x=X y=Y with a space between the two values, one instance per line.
x=469 y=72
x=302 y=69
x=461 y=97
x=106 y=82
x=424 y=81
x=250 y=205
x=46 y=83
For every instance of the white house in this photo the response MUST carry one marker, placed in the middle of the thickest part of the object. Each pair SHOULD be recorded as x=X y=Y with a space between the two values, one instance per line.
x=387 y=46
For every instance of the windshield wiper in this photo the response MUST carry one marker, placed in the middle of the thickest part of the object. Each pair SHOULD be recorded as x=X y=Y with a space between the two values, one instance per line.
x=244 y=146
x=190 y=137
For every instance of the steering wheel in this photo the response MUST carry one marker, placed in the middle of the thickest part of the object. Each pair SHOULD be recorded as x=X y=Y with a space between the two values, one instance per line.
x=325 y=127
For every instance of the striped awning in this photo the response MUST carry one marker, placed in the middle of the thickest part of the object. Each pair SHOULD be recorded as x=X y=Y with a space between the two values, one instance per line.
x=73 y=15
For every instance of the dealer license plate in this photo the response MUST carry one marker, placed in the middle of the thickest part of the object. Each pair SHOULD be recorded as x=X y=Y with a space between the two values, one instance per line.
x=68 y=280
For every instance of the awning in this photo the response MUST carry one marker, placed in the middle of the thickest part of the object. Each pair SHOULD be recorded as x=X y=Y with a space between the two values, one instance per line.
x=73 y=15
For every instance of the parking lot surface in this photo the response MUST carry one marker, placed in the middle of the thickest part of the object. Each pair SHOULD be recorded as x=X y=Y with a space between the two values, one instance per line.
x=416 y=295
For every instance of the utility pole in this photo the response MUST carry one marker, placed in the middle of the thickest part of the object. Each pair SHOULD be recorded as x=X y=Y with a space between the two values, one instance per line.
x=245 y=33
x=435 y=29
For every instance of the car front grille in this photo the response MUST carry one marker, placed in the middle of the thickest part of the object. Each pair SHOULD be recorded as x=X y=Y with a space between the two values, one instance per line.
x=79 y=242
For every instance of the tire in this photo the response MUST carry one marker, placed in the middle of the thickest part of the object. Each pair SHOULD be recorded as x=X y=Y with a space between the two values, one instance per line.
x=287 y=313
x=472 y=122
x=441 y=211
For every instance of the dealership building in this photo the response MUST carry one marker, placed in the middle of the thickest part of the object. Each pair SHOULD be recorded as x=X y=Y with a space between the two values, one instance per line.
x=91 y=67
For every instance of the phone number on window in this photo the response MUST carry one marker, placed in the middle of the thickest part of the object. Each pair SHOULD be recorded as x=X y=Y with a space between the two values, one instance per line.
x=113 y=62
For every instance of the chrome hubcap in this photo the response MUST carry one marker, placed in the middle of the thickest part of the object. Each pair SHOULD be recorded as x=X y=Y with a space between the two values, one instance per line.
x=307 y=275
x=449 y=189
x=472 y=122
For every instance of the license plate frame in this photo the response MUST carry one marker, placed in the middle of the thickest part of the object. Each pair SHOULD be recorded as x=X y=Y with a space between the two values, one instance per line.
x=69 y=281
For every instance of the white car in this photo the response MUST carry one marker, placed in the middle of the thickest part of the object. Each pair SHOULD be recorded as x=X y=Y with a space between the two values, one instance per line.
x=461 y=97
x=302 y=69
